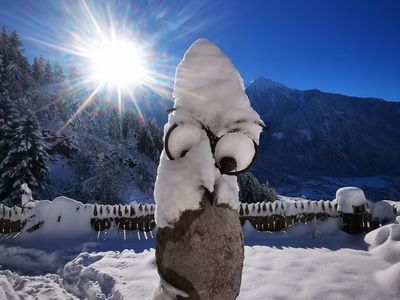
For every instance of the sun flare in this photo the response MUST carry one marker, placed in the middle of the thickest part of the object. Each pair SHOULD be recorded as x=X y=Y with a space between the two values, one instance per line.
x=117 y=62
x=113 y=59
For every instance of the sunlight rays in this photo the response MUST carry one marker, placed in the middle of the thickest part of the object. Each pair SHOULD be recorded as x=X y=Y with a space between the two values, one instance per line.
x=138 y=110
x=84 y=104
x=89 y=13
x=91 y=38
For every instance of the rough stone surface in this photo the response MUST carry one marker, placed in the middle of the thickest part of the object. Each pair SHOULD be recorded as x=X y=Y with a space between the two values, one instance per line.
x=203 y=254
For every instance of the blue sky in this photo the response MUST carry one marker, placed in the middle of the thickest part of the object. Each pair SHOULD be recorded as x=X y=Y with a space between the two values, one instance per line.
x=349 y=47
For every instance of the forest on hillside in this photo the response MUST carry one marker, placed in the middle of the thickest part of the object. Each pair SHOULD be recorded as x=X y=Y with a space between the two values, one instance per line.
x=97 y=155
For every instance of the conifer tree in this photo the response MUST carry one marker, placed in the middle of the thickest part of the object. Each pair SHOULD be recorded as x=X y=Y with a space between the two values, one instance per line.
x=58 y=73
x=251 y=191
x=9 y=122
x=25 y=161
x=17 y=65
x=37 y=72
x=48 y=73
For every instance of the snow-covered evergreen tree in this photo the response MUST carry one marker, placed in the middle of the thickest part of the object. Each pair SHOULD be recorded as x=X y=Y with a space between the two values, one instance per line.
x=149 y=139
x=251 y=191
x=16 y=65
x=101 y=183
x=73 y=141
x=25 y=160
x=48 y=73
x=38 y=69
x=58 y=73
x=9 y=122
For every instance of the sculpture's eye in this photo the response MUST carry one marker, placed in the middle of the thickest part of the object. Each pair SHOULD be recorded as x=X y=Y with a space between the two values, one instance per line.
x=234 y=153
x=179 y=140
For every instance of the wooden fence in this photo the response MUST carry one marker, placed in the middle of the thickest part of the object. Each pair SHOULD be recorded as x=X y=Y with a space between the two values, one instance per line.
x=140 y=216
x=279 y=215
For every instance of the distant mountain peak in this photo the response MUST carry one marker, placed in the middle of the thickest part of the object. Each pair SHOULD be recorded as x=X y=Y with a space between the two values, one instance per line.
x=262 y=83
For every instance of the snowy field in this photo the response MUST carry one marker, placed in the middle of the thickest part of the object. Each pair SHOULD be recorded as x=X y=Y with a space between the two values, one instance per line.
x=313 y=261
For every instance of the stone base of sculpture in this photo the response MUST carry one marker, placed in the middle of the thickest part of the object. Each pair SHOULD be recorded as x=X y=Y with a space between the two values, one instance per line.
x=203 y=254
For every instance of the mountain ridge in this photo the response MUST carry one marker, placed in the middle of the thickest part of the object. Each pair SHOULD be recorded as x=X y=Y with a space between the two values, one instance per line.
x=314 y=134
x=256 y=84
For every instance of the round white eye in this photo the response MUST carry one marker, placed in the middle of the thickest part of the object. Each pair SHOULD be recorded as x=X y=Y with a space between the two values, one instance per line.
x=234 y=153
x=179 y=140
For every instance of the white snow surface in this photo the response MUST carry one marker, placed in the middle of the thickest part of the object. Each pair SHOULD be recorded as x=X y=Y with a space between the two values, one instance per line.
x=61 y=217
x=26 y=198
x=227 y=191
x=313 y=261
x=385 y=244
x=238 y=146
x=184 y=138
x=209 y=89
x=383 y=211
x=49 y=286
x=209 y=94
x=52 y=224
x=348 y=197
x=180 y=183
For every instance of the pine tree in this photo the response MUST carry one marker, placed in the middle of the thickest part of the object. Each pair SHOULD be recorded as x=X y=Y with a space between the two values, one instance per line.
x=1 y=67
x=25 y=161
x=58 y=73
x=157 y=139
x=8 y=123
x=17 y=66
x=251 y=191
x=48 y=73
x=149 y=139
x=37 y=69
x=102 y=182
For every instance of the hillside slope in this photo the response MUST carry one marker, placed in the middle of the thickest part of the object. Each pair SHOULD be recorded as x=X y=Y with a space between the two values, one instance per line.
x=320 y=140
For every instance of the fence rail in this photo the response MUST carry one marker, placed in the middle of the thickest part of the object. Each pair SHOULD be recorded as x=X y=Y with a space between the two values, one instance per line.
x=139 y=217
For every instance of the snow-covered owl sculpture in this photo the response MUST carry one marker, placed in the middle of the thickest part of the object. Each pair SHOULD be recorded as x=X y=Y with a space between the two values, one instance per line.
x=211 y=135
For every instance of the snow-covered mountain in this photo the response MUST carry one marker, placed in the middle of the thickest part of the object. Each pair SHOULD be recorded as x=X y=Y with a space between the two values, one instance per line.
x=320 y=141
x=316 y=143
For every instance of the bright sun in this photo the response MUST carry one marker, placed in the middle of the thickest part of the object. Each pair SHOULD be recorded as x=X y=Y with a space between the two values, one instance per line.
x=118 y=62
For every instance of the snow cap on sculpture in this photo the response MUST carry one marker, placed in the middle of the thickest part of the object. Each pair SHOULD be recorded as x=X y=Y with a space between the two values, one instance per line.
x=212 y=120
x=209 y=88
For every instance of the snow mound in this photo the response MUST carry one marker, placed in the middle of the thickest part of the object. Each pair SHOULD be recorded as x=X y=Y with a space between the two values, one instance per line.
x=383 y=211
x=385 y=244
x=62 y=217
x=111 y=275
x=15 y=287
x=310 y=273
x=6 y=289
x=349 y=197
x=310 y=261
x=390 y=278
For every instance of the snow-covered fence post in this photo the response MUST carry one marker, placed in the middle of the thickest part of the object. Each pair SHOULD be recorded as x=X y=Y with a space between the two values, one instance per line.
x=26 y=197
x=212 y=135
x=130 y=217
x=353 y=210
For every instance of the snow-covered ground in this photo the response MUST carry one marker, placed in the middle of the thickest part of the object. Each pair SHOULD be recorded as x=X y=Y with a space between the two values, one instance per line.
x=313 y=261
